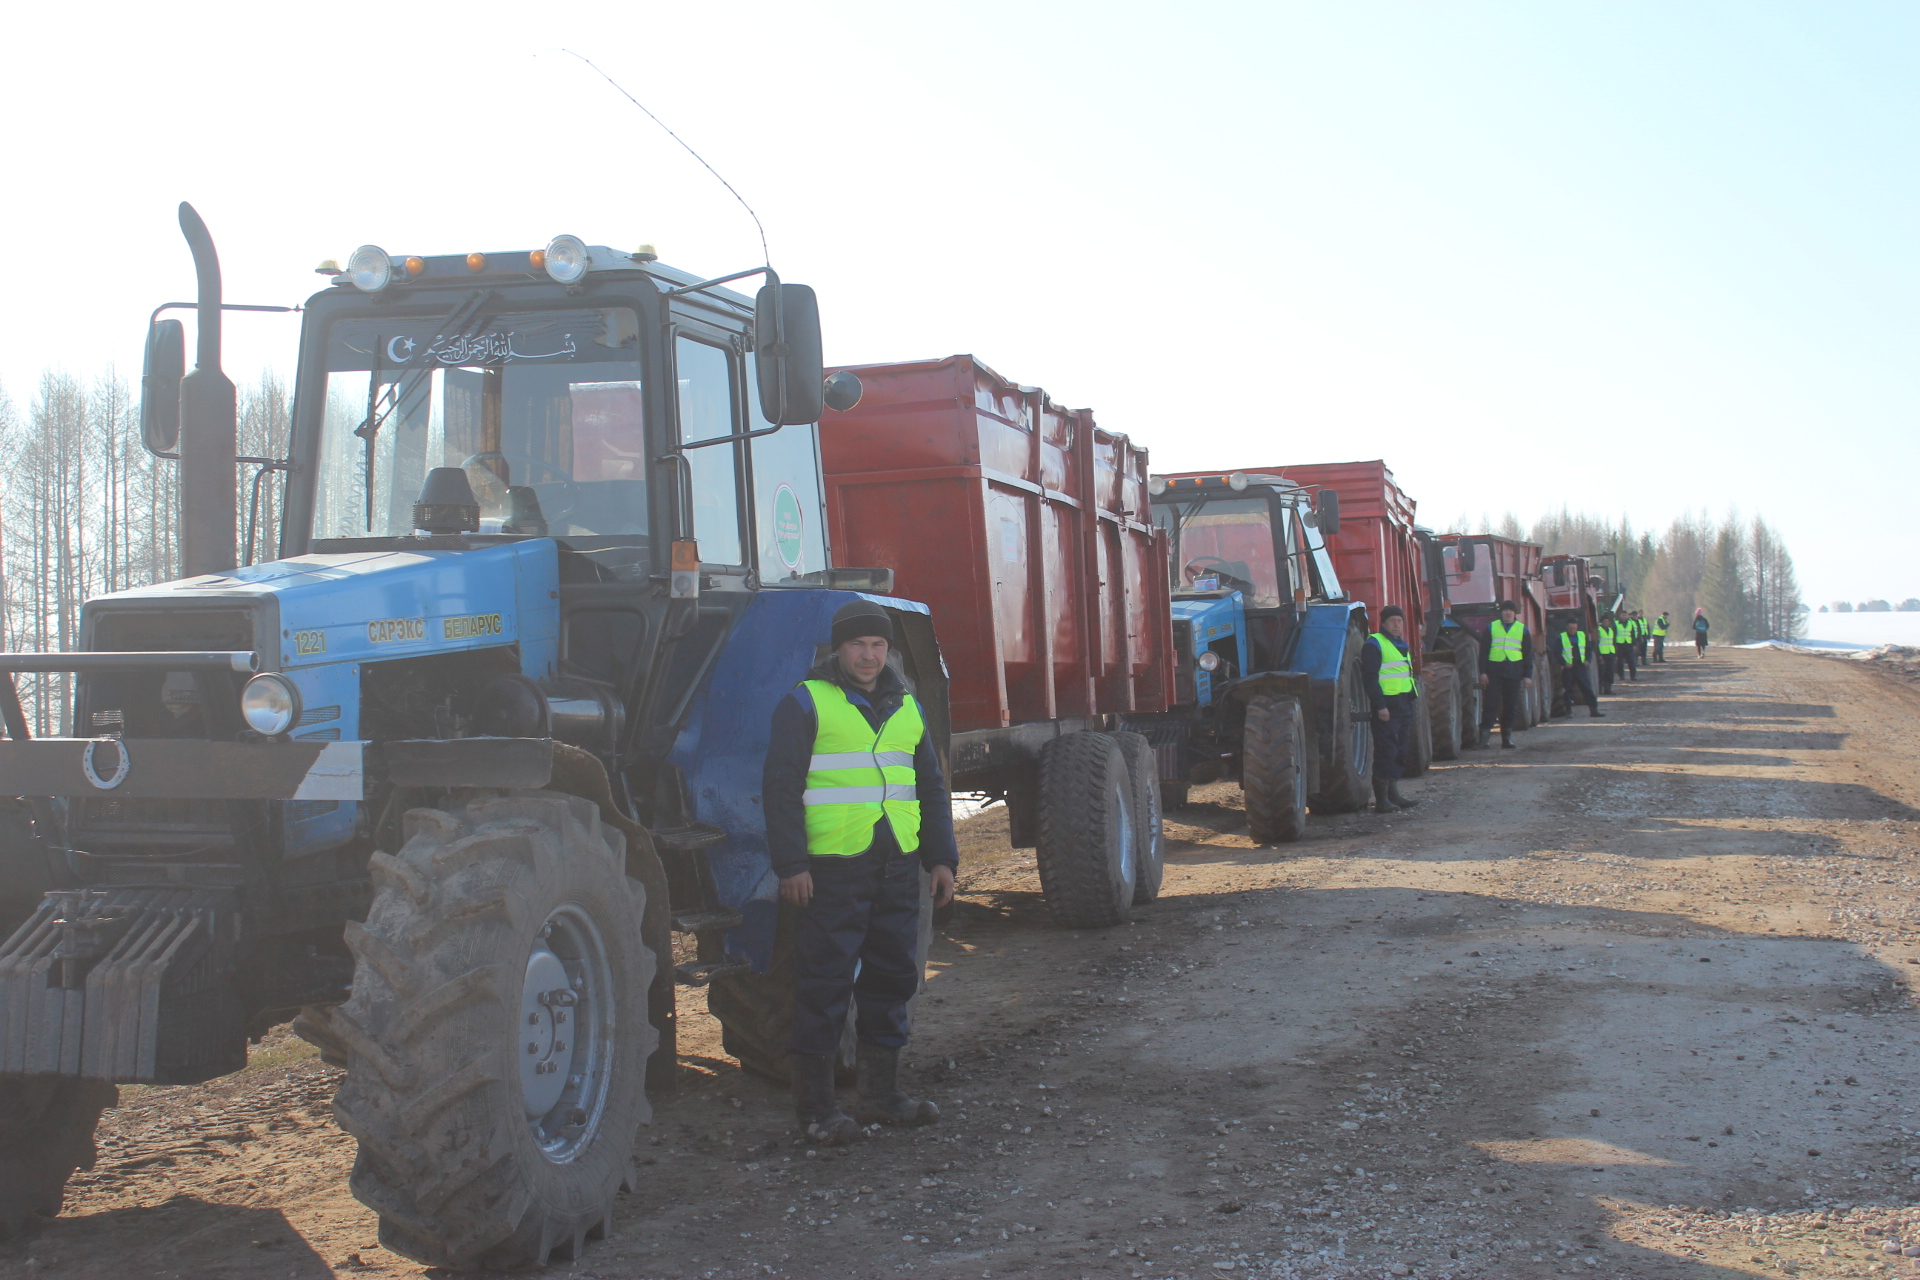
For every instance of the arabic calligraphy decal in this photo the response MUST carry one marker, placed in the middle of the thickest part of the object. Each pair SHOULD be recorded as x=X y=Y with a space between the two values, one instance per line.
x=474 y=348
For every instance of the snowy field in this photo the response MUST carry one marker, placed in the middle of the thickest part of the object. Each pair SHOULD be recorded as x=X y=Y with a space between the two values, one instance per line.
x=1859 y=630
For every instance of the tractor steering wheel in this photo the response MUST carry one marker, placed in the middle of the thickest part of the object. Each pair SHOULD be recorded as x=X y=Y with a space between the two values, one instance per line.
x=1199 y=562
x=495 y=494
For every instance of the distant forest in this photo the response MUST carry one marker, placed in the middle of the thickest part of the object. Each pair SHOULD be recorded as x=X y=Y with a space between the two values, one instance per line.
x=85 y=509
x=1738 y=571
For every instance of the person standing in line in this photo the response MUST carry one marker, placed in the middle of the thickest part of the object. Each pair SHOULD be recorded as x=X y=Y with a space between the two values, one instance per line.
x=1604 y=639
x=1660 y=625
x=1641 y=633
x=1572 y=656
x=1386 y=671
x=856 y=807
x=1700 y=633
x=1503 y=673
x=1623 y=647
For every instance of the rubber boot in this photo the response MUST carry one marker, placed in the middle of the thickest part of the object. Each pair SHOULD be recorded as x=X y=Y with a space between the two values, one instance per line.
x=1595 y=713
x=1486 y=735
x=814 y=1106
x=881 y=1101
x=1506 y=737
x=1381 y=803
x=1396 y=799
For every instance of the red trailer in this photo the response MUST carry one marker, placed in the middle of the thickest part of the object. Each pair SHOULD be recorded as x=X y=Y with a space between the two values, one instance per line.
x=1027 y=530
x=1483 y=569
x=1381 y=557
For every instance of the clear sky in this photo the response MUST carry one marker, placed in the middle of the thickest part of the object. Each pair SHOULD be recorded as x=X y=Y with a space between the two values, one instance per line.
x=1633 y=257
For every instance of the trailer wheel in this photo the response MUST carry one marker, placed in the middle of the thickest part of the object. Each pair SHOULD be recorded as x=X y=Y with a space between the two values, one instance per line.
x=1419 y=757
x=46 y=1132
x=1346 y=783
x=1273 y=769
x=1443 y=712
x=1149 y=831
x=497 y=1037
x=1086 y=850
x=755 y=1010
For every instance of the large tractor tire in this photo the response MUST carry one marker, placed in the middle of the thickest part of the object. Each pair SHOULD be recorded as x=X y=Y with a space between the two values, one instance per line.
x=46 y=1132
x=497 y=1037
x=1273 y=769
x=1087 y=846
x=1149 y=829
x=1419 y=754
x=755 y=1010
x=1442 y=690
x=1346 y=775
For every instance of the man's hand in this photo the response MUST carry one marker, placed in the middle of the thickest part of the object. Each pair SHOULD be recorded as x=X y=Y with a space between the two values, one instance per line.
x=942 y=885
x=797 y=889
x=1384 y=713
x=1483 y=679
x=1527 y=683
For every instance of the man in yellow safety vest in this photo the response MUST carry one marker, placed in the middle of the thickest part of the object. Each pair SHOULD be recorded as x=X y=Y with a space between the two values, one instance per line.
x=1623 y=646
x=1603 y=638
x=1386 y=672
x=1572 y=657
x=1660 y=625
x=856 y=807
x=1506 y=672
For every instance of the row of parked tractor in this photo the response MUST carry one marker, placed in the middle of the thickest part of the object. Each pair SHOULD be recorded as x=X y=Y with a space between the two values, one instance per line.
x=442 y=781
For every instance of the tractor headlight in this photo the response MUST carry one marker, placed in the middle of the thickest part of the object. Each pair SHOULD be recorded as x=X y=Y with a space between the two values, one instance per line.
x=370 y=268
x=566 y=259
x=1209 y=661
x=270 y=703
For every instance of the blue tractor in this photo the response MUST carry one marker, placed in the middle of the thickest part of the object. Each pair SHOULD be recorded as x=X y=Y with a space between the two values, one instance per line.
x=442 y=782
x=1267 y=682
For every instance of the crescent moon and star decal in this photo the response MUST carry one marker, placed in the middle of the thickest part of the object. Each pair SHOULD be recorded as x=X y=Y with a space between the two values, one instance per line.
x=401 y=349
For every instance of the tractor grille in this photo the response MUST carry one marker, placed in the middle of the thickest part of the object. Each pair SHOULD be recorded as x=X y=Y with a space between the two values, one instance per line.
x=164 y=704
x=1184 y=690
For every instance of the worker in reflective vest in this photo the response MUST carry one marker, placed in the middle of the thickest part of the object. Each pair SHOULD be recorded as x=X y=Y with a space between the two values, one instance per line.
x=1641 y=633
x=856 y=810
x=1660 y=625
x=1623 y=646
x=1386 y=671
x=1506 y=672
x=1603 y=638
x=1572 y=657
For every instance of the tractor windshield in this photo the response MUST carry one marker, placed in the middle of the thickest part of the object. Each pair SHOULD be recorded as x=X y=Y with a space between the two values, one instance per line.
x=1223 y=544
x=542 y=410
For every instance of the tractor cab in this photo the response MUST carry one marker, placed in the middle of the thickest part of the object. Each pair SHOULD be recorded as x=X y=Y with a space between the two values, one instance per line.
x=1246 y=553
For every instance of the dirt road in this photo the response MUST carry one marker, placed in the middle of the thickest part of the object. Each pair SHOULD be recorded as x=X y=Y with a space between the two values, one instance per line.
x=1630 y=1001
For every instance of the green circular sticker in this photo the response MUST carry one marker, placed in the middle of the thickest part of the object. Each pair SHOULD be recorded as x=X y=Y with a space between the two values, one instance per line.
x=789 y=522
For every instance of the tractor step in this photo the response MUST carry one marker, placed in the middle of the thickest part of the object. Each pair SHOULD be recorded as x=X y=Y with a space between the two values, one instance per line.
x=705 y=921
x=698 y=973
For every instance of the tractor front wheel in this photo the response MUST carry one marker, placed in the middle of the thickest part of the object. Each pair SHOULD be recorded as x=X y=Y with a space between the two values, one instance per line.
x=497 y=1037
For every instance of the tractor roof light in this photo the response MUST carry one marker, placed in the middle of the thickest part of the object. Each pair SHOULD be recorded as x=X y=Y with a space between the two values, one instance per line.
x=566 y=259
x=1237 y=481
x=270 y=703
x=370 y=268
x=1156 y=485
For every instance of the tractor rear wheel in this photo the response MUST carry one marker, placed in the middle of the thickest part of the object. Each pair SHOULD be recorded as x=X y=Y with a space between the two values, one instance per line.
x=1087 y=847
x=1443 y=711
x=46 y=1132
x=1273 y=769
x=497 y=1037
x=1149 y=834
x=1346 y=775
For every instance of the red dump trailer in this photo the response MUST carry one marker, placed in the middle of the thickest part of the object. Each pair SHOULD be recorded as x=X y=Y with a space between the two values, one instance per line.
x=1482 y=570
x=1027 y=530
x=1381 y=557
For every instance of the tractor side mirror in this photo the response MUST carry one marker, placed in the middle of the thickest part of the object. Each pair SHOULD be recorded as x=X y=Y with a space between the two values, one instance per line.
x=843 y=391
x=1463 y=557
x=166 y=365
x=1326 y=513
x=787 y=354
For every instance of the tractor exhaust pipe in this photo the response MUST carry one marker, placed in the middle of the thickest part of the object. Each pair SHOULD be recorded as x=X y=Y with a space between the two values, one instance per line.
x=209 y=431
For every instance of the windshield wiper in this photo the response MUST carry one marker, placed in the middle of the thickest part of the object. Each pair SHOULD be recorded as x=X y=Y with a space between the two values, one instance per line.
x=399 y=393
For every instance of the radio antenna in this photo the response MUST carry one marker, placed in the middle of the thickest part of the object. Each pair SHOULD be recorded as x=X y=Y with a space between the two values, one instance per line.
x=766 y=258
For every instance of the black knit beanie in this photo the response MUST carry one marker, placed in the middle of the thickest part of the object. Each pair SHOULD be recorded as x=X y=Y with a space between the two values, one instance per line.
x=1392 y=611
x=861 y=618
